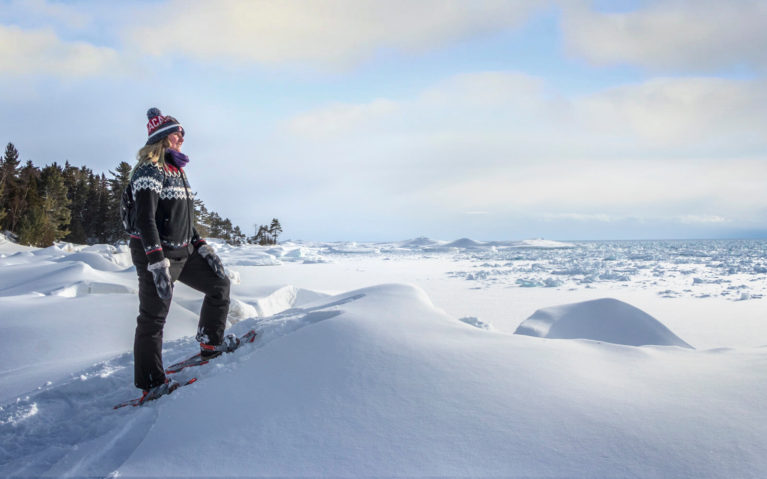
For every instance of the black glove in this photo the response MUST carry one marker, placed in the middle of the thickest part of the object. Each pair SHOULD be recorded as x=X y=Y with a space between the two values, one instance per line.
x=213 y=260
x=162 y=280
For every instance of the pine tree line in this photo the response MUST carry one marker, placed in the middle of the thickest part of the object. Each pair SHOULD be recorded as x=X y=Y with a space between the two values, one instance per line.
x=267 y=235
x=42 y=205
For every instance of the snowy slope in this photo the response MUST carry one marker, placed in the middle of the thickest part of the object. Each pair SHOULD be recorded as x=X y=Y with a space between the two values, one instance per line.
x=374 y=381
x=392 y=386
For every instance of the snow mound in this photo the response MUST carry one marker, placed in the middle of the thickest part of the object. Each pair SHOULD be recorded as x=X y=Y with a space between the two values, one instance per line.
x=420 y=242
x=352 y=247
x=67 y=278
x=302 y=254
x=277 y=302
x=543 y=244
x=85 y=288
x=270 y=302
x=252 y=258
x=97 y=261
x=240 y=310
x=8 y=246
x=299 y=252
x=606 y=319
x=466 y=243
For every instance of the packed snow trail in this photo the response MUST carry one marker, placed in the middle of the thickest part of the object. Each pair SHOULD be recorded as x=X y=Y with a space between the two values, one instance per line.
x=70 y=428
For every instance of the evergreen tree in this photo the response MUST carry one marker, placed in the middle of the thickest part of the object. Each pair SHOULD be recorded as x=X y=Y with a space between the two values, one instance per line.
x=3 y=212
x=117 y=184
x=11 y=201
x=31 y=227
x=75 y=181
x=28 y=207
x=55 y=205
x=238 y=237
x=2 y=191
x=29 y=195
x=226 y=230
x=275 y=229
x=80 y=206
x=103 y=221
x=89 y=207
x=215 y=225
x=9 y=167
x=95 y=209
x=263 y=237
x=201 y=218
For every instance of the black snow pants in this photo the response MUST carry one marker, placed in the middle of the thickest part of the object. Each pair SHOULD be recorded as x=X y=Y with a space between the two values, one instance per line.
x=194 y=272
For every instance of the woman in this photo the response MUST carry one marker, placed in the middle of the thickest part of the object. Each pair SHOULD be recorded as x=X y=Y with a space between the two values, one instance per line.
x=166 y=247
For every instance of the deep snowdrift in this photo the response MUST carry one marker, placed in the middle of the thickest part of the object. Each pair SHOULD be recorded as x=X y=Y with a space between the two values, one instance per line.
x=604 y=319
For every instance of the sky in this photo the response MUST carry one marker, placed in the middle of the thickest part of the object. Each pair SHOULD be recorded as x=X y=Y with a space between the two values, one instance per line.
x=367 y=120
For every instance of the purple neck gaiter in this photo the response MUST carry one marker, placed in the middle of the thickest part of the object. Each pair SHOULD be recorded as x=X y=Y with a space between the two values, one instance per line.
x=178 y=159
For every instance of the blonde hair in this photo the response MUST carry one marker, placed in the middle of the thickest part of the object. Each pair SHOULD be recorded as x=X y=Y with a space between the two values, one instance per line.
x=154 y=153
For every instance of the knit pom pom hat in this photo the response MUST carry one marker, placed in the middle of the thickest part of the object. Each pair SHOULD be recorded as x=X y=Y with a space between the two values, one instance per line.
x=160 y=126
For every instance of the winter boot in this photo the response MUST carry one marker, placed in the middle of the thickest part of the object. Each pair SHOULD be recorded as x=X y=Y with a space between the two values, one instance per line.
x=230 y=343
x=167 y=387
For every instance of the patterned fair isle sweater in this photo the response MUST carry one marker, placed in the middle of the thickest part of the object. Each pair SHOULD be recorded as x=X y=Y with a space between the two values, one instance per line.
x=164 y=211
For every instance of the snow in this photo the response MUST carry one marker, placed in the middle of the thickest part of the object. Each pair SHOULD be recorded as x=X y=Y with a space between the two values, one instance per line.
x=7 y=246
x=421 y=241
x=543 y=243
x=465 y=243
x=604 y=319
x=399 y=359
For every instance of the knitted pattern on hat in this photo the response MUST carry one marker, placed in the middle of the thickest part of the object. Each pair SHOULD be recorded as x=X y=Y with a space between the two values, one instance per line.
x=160 y=126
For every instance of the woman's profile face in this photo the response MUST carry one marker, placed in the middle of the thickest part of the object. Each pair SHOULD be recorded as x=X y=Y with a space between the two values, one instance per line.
x=176 y=139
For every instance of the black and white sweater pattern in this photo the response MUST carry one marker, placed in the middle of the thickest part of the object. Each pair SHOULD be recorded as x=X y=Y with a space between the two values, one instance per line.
x=164 y=205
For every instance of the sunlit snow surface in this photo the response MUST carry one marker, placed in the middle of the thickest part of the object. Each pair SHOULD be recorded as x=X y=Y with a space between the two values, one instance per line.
x=399 y=359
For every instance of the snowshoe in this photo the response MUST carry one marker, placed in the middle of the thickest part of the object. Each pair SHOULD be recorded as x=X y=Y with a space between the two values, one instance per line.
x=164 y=389
x=208 y=352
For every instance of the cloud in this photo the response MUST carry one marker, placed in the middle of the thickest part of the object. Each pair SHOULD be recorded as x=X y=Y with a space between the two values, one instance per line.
x=327 y=33
x=501 y=111
x=504 y=143
x=41 y=52
x=488 y=89
x=580 y=217
x=682 y=111
x=26 y=11
x=702 y=219
x=675 y=35
x=430 y=112
x=340 y=118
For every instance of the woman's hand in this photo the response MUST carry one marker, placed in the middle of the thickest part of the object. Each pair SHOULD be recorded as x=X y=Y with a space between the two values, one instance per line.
x=162 y=280
x=213 y=260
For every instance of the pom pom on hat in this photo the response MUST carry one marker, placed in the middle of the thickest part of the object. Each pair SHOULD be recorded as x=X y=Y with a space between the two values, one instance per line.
x=160 y=126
